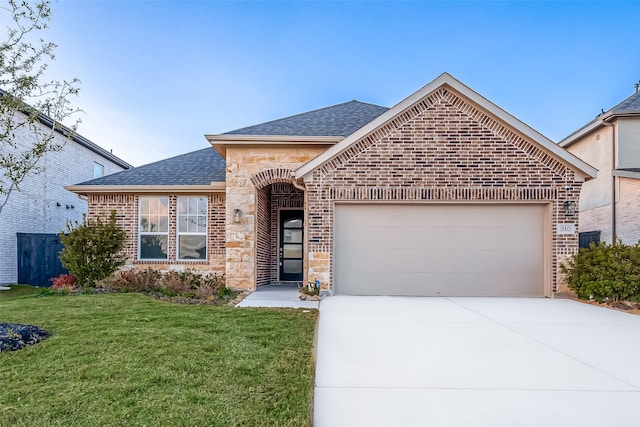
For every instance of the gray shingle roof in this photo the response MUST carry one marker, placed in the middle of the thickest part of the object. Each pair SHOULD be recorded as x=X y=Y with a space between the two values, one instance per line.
x=200 y=167
x=336 y=120
x=205 y=166
x=629 y=105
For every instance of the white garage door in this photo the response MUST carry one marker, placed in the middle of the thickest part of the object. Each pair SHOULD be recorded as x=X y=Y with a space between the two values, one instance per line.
x=439 y=249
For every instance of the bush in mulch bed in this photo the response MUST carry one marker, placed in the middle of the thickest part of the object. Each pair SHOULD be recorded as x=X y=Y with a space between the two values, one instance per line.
x=14 y=336
x=184 y=287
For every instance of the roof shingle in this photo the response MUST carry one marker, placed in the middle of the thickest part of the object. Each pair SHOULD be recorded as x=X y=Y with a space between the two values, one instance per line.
x=629 y=105
x=200 y=167
x=336 y=120
x=205 y=166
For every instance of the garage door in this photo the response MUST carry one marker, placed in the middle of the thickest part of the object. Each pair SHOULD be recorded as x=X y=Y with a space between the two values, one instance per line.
x=439 y=249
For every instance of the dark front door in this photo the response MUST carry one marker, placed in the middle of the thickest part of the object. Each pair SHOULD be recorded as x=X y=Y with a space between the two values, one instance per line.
x=291 y=230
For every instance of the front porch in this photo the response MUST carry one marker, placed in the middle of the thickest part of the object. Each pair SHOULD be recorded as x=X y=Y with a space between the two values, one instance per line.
x=284 y=295
x=279 y=235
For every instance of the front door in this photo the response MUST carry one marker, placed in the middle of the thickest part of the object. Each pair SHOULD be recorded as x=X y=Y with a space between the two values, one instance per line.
x=291 y=230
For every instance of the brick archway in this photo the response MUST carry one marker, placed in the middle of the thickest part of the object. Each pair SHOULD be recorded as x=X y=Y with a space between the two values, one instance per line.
x=271 y=176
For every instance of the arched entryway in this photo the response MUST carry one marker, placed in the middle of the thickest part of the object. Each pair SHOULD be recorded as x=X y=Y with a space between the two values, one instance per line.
x=280 y=228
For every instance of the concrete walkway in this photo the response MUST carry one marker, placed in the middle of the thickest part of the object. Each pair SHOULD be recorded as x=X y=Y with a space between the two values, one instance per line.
x=277 y=296
x=495 y=362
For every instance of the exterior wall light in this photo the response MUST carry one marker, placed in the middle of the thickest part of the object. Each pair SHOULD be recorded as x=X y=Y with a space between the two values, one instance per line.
x=237 y=216
x=569 y=208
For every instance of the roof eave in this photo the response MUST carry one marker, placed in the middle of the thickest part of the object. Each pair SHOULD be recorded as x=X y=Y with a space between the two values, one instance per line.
x=221 y=141
x=447 y=80
x=72 y=134
x=214 y=187
x=228 y=139
x=581 y=133
x=626 y=174
x=594 y=125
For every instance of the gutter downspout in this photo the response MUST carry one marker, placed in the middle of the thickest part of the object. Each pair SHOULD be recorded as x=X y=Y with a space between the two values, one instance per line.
x=614 y=234
x=305 y=240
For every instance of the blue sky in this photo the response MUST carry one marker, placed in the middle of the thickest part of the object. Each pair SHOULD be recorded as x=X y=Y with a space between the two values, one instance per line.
x=157 y=76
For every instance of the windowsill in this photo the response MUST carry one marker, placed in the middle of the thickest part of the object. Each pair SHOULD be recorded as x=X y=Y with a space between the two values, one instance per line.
x=173 y=261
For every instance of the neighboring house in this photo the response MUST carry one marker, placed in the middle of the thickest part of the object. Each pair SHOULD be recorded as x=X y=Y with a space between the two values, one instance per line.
x=43 y=205
x=610 y=204
x=443 y=194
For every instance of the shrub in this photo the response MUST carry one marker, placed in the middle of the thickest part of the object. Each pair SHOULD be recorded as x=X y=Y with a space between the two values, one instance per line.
x=605 y=272
x=92 y=250
x=180 y=282
x=141 y=280
x=183 y=284
x=64 y=283
x=63 y=280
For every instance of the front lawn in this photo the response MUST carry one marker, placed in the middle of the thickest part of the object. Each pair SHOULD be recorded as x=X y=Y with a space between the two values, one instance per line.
x=16 y=291
x=130 y=360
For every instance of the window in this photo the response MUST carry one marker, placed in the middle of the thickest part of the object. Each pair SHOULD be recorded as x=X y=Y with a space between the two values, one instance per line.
x=192 y=228
x=153 y=228
x=98 y=170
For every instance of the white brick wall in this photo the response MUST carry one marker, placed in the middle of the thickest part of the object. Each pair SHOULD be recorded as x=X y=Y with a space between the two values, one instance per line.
x=628 y=211
x=35 y=208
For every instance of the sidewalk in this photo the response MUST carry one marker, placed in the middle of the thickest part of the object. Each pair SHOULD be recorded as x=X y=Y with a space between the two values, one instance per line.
x=277 y=296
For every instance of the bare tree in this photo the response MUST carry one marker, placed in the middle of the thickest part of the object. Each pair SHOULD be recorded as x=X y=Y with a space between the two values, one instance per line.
x=31 y=108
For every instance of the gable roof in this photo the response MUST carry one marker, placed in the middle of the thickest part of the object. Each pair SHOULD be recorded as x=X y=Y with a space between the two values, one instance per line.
x=336 y=120
x=74 y=136
x=198 y=168
x=628 y=107
x=446 y=80
x=631 y=105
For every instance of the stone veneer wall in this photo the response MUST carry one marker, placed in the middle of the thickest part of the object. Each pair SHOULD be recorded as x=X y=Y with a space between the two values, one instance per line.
x=126 y=207
x=249 y=169
x=441 y=149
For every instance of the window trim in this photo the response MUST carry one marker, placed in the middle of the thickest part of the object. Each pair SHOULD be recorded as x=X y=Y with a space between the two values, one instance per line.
x=185 y=233
x=101 y=170
x=153 y=233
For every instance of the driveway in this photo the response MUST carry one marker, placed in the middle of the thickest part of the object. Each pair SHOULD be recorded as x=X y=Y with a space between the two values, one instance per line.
x=400 y=361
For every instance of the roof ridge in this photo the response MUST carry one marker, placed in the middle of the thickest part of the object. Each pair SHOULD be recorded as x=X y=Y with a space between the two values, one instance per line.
x=628 y=100
x=305 y=113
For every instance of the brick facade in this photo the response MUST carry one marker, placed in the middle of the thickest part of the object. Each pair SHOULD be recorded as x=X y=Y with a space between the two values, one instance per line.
x=628 y=211
x=263 y=236
x=283 y=196
x=270 y=201
x=447 y=146
x=441 y=149
x=43 y=205
x=126 y=207
x=597 y=219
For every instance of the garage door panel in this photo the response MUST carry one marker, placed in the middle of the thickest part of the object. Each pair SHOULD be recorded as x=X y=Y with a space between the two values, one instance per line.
x=446 y=237
x=437 y=284
x=430 y=250
x=371 y=260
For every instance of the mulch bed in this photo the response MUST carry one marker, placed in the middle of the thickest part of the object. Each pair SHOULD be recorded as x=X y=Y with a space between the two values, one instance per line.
x=626 y=306
x=14 y=336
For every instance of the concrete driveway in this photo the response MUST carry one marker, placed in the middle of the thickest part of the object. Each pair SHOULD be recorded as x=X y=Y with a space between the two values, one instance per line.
x=400 y=361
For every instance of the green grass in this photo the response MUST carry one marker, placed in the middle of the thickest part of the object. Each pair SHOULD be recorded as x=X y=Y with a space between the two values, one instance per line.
x=17 y=291
x=129 y=360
